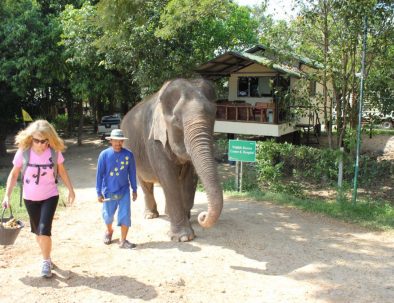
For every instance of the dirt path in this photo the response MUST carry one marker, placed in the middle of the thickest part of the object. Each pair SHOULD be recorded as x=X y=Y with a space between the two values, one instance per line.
x=257 y=252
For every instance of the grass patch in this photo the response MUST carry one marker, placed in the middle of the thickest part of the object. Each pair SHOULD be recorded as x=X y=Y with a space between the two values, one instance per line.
x=376 y=216
x=381 y=131
x=18 y=211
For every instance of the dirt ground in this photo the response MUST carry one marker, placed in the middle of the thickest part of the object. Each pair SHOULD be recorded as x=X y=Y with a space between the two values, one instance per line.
x=257 y=252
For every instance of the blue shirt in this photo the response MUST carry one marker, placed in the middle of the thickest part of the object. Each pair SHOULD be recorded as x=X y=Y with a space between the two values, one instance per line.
x=116 y=171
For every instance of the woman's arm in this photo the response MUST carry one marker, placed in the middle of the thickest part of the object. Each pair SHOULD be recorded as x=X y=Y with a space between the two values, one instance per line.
x=11 y=182
x=66 y=180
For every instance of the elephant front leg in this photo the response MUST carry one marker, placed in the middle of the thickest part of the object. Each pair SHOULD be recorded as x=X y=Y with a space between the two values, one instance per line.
x=181 y=230
x=150 y=202
x=188 y=180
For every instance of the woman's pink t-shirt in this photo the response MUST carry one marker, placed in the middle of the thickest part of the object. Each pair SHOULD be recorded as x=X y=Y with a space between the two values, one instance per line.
x=39 y=183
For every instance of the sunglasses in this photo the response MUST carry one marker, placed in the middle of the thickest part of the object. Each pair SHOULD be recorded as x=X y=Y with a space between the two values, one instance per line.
x=40 y=141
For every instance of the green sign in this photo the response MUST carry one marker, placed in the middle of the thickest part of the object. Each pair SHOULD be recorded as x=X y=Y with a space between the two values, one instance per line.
x=239 y=150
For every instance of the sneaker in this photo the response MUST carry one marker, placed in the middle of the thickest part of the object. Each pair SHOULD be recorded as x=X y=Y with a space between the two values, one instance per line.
x=46 y=270
x=126 y=244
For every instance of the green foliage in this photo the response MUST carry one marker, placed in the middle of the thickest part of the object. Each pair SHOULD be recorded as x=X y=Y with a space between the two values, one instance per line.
x=277 y=163
x=167 y=39
x=60 y=122
x=382 y=132
x=179 y=14
x=87 y=78
x=31 y=64
x=330 y=32
x=350 y=139
x=211 y=24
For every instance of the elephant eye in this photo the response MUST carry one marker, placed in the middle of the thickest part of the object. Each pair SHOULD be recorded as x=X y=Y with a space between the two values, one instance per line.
x=176 y=121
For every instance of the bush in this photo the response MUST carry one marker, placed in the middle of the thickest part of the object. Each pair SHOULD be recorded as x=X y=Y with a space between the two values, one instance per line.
x=60 y=123
x=279 y=162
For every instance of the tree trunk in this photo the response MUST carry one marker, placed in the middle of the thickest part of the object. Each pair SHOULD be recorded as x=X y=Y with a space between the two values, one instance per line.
x=3 y=148
x=327 y=115
x=80 y=124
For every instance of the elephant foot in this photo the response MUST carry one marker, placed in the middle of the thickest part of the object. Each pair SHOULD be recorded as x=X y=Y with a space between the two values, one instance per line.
x=151 y=214
x=183 y=235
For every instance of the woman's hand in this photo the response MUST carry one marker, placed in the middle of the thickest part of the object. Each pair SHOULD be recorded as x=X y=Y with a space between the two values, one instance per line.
x=66 y=180
x=71 y=197
x=11 y=182
x=6 y=202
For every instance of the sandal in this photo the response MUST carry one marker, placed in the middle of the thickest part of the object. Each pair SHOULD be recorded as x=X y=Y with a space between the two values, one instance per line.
x=107 y=238
x=127 y=244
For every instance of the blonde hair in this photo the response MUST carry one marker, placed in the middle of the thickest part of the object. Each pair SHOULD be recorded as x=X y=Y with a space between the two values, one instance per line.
x=24 y=138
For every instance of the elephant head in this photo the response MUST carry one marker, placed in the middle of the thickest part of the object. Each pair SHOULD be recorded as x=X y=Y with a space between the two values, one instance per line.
x=184 y=118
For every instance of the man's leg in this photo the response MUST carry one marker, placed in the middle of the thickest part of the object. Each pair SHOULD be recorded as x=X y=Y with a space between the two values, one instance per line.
x=124 y=220
x=124 y=230
x=109 y=209
x=108 y=234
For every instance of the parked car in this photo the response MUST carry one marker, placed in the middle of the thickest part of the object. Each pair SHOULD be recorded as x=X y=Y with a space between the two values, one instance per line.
x=388 y=120
x=385 y=121
x=107 y=124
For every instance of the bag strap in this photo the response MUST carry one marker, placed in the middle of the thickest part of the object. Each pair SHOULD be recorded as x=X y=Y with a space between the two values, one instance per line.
x=54 y=155
x=25 y=162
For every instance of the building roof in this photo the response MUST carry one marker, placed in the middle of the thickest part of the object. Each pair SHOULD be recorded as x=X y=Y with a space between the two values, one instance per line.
x=261 y=49
x=232 y=61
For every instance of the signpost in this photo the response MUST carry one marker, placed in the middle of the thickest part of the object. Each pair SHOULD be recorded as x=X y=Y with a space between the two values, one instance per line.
x=241 y=151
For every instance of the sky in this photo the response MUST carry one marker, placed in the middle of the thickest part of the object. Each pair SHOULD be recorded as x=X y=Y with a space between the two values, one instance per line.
x=278 y=8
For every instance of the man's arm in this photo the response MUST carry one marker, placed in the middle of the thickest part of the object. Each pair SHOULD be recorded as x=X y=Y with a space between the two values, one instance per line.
x=133 y=176
x=100 y=176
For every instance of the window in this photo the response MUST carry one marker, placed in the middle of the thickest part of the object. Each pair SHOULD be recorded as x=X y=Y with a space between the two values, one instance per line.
x=312 y=88
x=243 y=87
x=255 y=86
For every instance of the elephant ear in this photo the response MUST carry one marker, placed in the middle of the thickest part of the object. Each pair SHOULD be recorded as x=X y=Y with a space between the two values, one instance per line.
x=158 y=129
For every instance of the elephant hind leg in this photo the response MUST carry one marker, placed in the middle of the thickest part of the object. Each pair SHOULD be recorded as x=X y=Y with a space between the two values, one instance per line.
x=150 y=202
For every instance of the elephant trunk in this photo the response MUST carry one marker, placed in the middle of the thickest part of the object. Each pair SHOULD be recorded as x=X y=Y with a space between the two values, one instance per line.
x=199 y=144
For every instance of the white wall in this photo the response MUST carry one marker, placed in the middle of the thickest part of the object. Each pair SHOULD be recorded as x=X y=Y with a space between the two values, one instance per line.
x=250 y=128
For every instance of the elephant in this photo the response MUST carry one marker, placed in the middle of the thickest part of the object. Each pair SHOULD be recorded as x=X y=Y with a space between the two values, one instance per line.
x=171 y=136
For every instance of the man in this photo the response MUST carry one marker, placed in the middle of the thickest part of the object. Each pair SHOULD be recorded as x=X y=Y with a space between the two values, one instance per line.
x=116 y=171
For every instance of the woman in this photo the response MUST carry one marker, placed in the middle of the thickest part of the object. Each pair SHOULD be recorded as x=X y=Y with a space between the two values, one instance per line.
x=40 y=191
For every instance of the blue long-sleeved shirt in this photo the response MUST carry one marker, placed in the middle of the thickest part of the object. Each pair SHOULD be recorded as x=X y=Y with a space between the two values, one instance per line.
x=116 y=171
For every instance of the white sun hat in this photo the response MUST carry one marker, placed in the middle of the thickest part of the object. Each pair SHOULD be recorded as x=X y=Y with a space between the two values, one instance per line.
x=116 y=134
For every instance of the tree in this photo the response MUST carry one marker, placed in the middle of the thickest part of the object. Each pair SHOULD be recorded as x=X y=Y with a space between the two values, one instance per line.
x=380 y=81
x=89 y=80
x=330 y=31
x=167 y=39
x=25 y=70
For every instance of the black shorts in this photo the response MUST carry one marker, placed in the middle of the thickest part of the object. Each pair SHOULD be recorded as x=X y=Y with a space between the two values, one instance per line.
x=41 y=215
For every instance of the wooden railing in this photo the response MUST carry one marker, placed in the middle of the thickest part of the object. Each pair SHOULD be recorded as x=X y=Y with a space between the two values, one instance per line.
x=238 y=111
